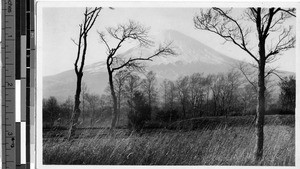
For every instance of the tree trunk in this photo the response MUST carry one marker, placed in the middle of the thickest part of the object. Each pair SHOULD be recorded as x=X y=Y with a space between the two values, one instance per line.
x=150 y=106
x=183 y=109
x=207 y=106
x=171 y=103
x=115 y=102
x=165 y=98
x=76 y=110
x=92 y=118
x=83 y=113
x=260 y=111
x=91 y=121
x=215 y=107
x=119 y=107
x=260 y=114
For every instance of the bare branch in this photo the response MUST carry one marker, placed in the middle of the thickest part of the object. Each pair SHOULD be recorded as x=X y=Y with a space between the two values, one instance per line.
x=269 y=21
x=285 y=41
x=102 y=36
x=135 y=32
x=90 y=18
x=275 y=72
x=246 y=72
x=161 y=51
x=218 y=21
x=290 y=11
x=78 y=50
x=251 y=13
x=73 y=40
x=93 y=17
x=131 y=31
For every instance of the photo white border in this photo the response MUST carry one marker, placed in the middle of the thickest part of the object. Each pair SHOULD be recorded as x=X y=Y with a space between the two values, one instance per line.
x=134 y=3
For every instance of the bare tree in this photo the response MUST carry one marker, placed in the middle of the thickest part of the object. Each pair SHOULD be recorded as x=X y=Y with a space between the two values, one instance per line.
x=196 y=94
x=238 y=30
x=248 y=98
x=90 y=16
x=217 y=95
x=132 y=85
x=183 y=93
x=66 y=110
x=208 y=83
x=84 y=91
x=233 y=83
x=148 y=86
x=93 y=101
x=226 y=92
x=164 y=91
x=249 y=72
x=132 y=31
x=169 y=91
x=288 y=93
x=119 y=80
x=172 y=95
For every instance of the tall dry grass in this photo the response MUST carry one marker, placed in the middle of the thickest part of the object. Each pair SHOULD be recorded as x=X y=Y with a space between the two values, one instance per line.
x=219 y=146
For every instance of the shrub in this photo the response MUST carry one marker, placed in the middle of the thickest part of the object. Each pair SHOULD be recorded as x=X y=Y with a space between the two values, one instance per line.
x=280 y=111
x=168 y=116
x=139 y=113
x=51 y=112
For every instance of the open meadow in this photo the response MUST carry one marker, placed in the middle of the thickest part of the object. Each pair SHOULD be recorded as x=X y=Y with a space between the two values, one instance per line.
x=226 y=143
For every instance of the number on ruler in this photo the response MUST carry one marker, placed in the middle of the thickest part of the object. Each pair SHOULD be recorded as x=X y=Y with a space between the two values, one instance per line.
x=12 y=142
x=9 y=6
x=9 y=84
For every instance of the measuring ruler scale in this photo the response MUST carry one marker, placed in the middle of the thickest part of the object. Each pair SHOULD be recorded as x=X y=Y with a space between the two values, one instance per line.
x=18 y=76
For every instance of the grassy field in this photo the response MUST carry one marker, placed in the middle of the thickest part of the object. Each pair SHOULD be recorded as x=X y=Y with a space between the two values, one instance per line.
x=220 y=145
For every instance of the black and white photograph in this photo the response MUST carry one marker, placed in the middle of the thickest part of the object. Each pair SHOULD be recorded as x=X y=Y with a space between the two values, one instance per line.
x=166 y=83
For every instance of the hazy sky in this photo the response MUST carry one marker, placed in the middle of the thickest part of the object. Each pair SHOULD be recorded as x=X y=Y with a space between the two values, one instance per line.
x=61 y=24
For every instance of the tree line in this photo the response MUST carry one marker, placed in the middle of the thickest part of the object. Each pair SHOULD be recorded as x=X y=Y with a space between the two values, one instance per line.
x=142 y=98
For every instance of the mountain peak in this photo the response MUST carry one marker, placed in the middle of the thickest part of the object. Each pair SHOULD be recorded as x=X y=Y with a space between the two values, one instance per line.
x=189 y=49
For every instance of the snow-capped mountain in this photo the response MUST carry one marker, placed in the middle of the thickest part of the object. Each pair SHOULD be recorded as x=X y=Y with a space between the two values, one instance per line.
x=193 y=56
x=191 y=50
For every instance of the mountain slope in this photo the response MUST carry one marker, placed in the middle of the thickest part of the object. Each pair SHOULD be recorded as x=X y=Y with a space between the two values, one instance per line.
x=193 y=56
x=190 y=50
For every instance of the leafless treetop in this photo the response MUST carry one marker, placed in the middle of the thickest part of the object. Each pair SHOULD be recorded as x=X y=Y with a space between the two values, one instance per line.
x=90 y=16
x=237 y=30
x=136 y=32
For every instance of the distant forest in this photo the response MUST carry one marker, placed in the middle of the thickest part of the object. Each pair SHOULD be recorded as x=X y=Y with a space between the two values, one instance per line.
x=142 y=99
